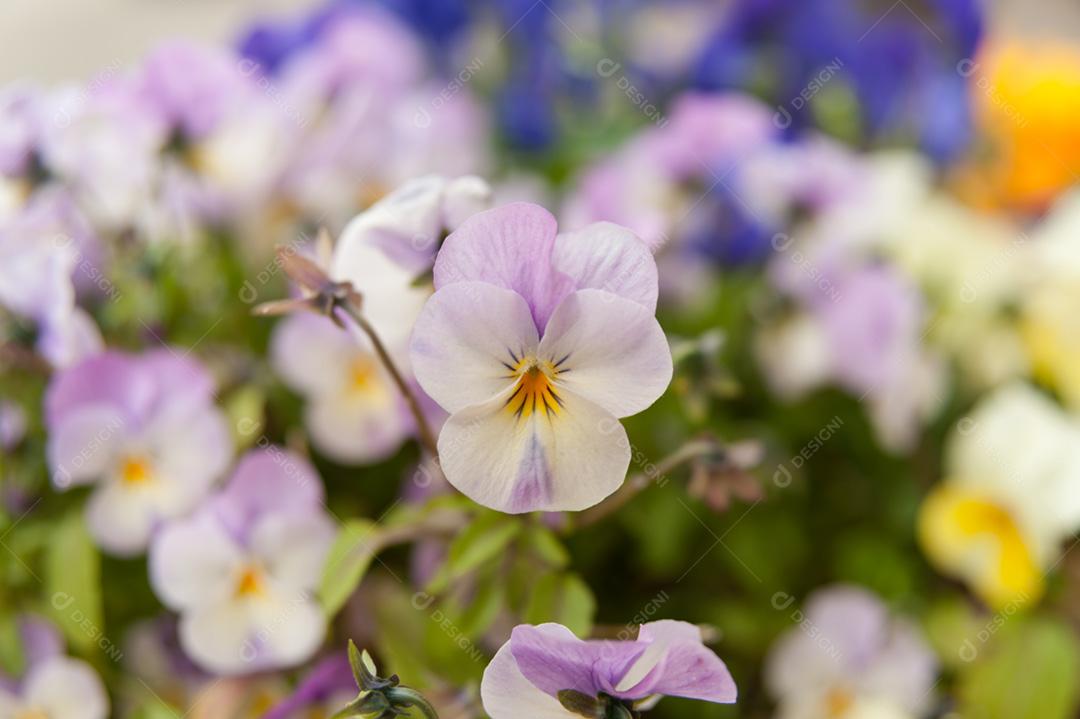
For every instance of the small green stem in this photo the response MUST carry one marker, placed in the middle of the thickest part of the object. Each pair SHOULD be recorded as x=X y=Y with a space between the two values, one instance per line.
x=406 y=697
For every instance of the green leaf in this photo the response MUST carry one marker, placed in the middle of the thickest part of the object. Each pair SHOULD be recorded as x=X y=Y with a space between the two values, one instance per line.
x=12 y=659
x=349 y=558
x=488 y=600
x=1023 y=670
x=478 y=543
x=562 y=598
x=545 y=545
x=245 y=409
x=73 y=582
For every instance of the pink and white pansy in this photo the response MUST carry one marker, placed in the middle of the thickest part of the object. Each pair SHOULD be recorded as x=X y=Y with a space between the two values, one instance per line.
x=536 y=343
x=545 y=672
x=145 y=431
x=243 y=569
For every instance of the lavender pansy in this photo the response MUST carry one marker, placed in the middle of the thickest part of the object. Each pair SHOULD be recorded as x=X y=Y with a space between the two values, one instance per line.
x=104 y=143
x=53 y=685
x=241 y=571
x=668 y=658
x=858 y=661
x=43 y=250
x=145 y=431
x=192 y=87
x=537 y=343
x=354 y=412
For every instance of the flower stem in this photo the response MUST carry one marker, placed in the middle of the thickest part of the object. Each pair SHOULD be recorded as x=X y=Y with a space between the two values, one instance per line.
x=427 y=437
x=635 y=484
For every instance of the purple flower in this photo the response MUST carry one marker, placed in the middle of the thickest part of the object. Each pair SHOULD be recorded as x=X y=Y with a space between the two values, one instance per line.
x=354 y=411
x=848 y=657
x=668 y=658
x=655 y=184
x=537 y=343
x=192 y=87
x=41 y=249
x=408 y=224
x=865 y=323
x=20 y=123
x=241 y=570
x=145 y=431
x=366 y=48
x=104 y=144
x=53 y=685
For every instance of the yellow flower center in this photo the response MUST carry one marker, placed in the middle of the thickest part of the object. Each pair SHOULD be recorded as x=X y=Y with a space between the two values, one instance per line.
x=251 y=582
x=363 y=374
x=535 y=389
x=837 y=702
x=136 y=471
x=370 y=193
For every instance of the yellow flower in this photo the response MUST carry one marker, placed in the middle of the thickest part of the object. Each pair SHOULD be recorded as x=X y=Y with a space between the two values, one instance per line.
x=1011 y=497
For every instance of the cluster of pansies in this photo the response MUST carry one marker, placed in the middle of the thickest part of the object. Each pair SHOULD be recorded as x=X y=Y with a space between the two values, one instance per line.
x=574 y=360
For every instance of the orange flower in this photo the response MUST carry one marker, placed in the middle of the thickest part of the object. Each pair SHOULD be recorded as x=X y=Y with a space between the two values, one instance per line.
x=1026 y=99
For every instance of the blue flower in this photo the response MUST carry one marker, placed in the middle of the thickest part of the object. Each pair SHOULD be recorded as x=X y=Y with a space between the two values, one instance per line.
x=900 y=66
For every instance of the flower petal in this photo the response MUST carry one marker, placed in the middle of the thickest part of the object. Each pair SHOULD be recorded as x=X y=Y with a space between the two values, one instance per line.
x=121 y=518
x=687 y=667
x=552 y=658
x=267 y=480
x=111 y=378
x=466 y=340
x=66 y=688
x=218 y=637
x=507 y=694
x=194 y=562
x=293 y=548
x=83 y=445
x=970 y=536
x=511 y=247
x=563 y=461
x=391 y=301
x=352 y=431
x=609 y=350
x=288 y=628
x=193 y=450
x=609 y=257
x=311 y=354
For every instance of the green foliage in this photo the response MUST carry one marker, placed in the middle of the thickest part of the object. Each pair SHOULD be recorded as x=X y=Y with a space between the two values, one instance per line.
x=480 y=542
x=1029 y=672
x=73 y=583
x=350 y=556
x=562 y=597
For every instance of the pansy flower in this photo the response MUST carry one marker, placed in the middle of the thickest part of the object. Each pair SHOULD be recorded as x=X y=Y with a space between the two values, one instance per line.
x=545 y=672
x=52 y=686
x=537 y=343
x=849 y=659
x=354 y=413
x=1010 y=499
x=145 y=431
x=242 y=570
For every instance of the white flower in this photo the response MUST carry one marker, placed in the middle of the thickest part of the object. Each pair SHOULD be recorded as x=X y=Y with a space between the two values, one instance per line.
x=1011 y=495
x=242 y=570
